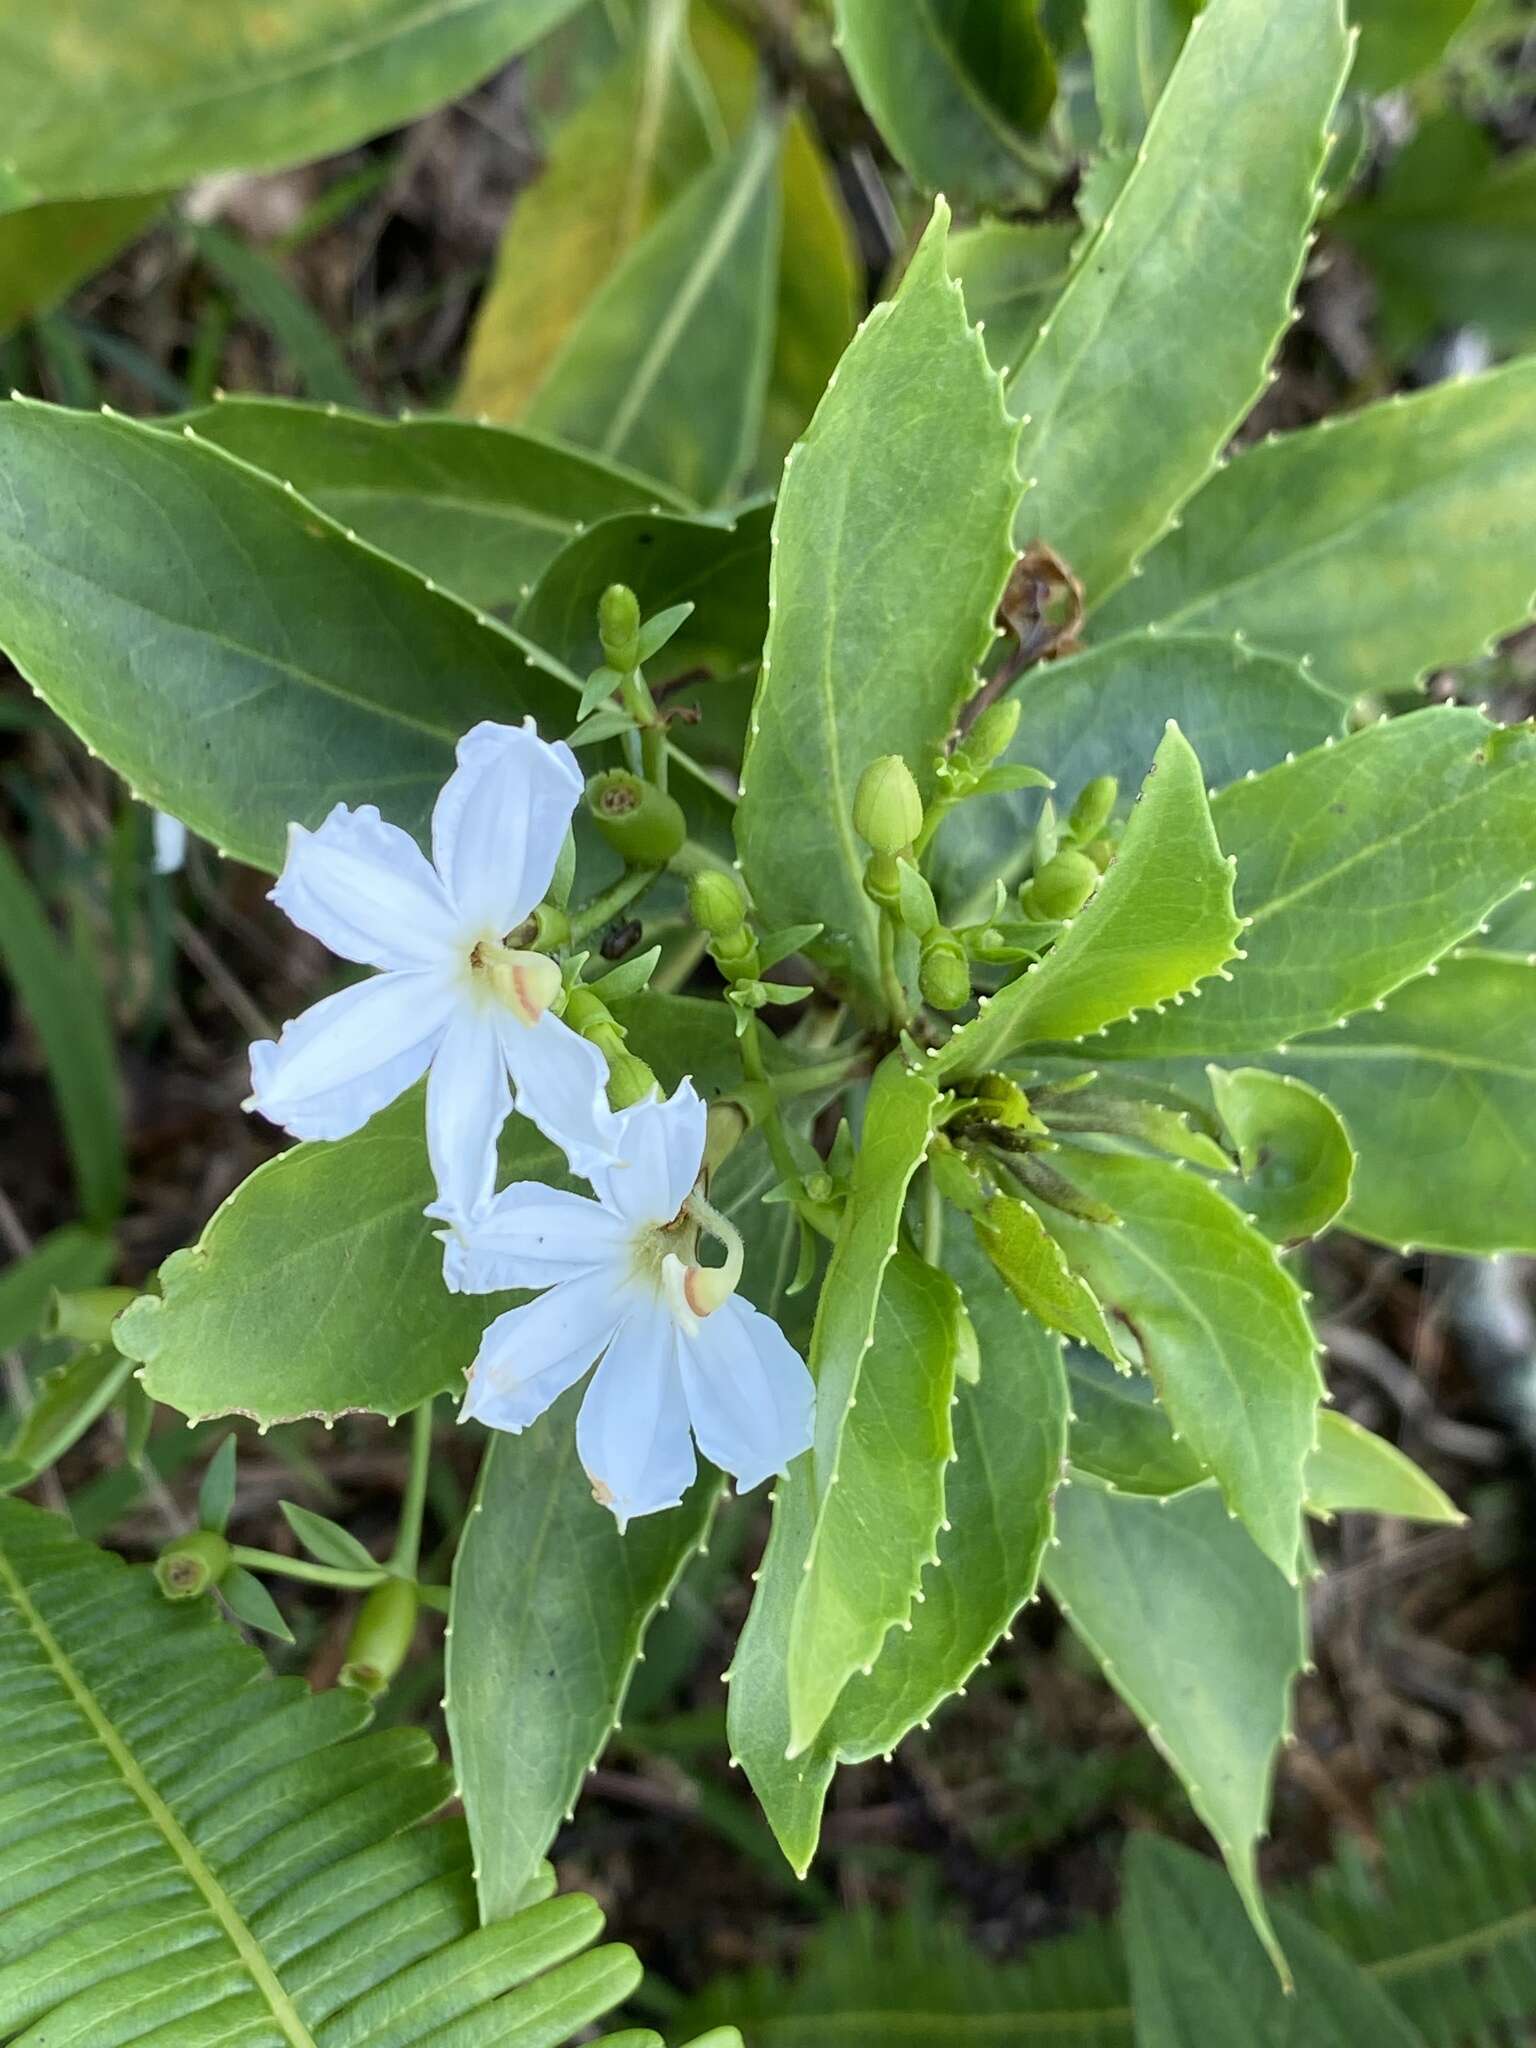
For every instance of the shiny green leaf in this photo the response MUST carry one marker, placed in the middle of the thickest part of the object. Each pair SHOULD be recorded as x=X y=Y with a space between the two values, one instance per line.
x=45 y=251
x=1033 y=1268
x=1160 y=921
x=1337 y=545
x=1121 y=1437
x=480 y=509
x=1221 y=1328
x=1442 y=1075
x=96 y=100
x=1201 y=1637
x=1357 y=866
x=1399 y=42
x=1134 y=44
x=1011 y=273
x=1294 y=1151
x=877 y=622
x=1355 y=1471
x=1194 y=263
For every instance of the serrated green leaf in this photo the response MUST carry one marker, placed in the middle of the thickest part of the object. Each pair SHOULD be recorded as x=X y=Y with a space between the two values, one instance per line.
x=259 y=1317
x=1134 y=44
x=874 y=1531
x=1010 y=1430
x=667 y=368
x=1031 y=1264
x=45 y=251
x=1169 y=1126
x=141 y=577
x=1355 y=1471
x=1011 y=273
x=249 y=1601
x=877 y=623
x=1295 y=1153
x=1357 y=866
x=820 y=292
x=956 y=87
x=1201 y=1637
x=1221 y=1327
x=1398 y=43
x=1511 y=926
x=1443 y=1074
x=1105 y=711
x=69 y=1399
x=1199 y=1976
x=1195 y=261
x=481 y=509
x=1121 y=1437
x=1338 y=544
x=61 y=991
x=216 y=1495
x=1159 y=923
x=327 y=1540
x=1443 y=238
x=94 y=101
x=67 y=1258
x=540 y=1656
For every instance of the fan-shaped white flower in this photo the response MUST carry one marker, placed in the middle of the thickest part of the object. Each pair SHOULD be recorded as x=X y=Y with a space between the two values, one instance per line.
x=679 y=1349
x=452 y=999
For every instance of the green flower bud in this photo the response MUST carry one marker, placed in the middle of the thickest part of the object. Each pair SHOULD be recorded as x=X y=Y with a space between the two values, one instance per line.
x=993 y=732
x=716 y=903
x=637 y=819
x=944 y=976
x=618 y=627
x=630 y=1080
x=1094 y=808
x=887 y=810
x=1101 y=852
x=725 y=1125
x=381 y=1637
x=191 y=1564
x=1063 y=885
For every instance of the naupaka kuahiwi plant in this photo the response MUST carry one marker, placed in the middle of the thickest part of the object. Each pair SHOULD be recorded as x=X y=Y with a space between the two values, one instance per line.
x=885 y=885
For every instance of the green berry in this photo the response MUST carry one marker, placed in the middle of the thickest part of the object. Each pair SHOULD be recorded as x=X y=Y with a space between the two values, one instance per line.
x=191 y=1564
x=887 y=810
x=637 y=819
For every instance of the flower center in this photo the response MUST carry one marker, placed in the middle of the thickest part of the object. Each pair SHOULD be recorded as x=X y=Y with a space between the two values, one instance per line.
x=524 y=983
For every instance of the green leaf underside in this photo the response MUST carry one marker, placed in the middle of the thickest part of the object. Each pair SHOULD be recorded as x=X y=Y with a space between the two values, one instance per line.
x=225 y=647
x=98 y=101
x=258 y=1319
x=890 y=552
x=1355 y=1471
x=542 y=1652
x=954 y=87
x=1338 y=544
x=1221 y=1328
x=1201 y=1637
x=249 y=1867
x=1159 y=923
x=1105 y=711
x=1010 y=1432
x=1198 y=1976
x=667 y=369
x=1357 y=866
x=45 y=251
x=481 y=509
x=1195 y=261
x=1034 y=1269
x=875 y=1529
x=1294 y=1151
x=1451 y=1060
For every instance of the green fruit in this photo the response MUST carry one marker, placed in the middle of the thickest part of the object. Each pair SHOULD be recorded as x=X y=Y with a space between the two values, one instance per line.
x=638 y=820
x=381 y=1637
x=887 y=810
x=191 y=1564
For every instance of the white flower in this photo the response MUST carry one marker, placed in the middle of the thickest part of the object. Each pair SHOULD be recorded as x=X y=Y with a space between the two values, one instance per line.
x=452 y=996
x=169 y=842
x=679 y=1349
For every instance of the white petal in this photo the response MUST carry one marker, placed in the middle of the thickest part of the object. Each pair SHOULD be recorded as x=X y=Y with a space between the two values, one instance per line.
x=533 y=1236
x=632 y=1432
x=366 y=890
x=500 y=822
x=751 y=1401
x=562 y=1086
x=350 y=1054
x=468 y=1101
x=529 y=1356
x=660 y=1148
x=169 y=839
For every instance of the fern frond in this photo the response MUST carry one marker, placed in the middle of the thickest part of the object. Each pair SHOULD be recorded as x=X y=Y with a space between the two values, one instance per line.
x=194 y=1854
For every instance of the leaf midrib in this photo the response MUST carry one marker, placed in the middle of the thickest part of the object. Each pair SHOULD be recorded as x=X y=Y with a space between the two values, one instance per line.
x=238 y=1934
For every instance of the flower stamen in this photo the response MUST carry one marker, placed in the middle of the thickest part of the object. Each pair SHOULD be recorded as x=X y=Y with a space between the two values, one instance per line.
x=526 y=983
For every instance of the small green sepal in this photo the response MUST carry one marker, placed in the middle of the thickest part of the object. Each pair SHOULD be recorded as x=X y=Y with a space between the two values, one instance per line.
x=192 y=1565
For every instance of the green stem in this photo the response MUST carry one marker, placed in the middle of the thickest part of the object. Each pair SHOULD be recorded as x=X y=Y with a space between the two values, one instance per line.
x=772 y=1127
x=938 y=810
x=407 y=1550
x=933 y=1220
x=299 y=1568
x=592 y=916
x=806 y=1080
x=890 y=980
x=641 y=706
